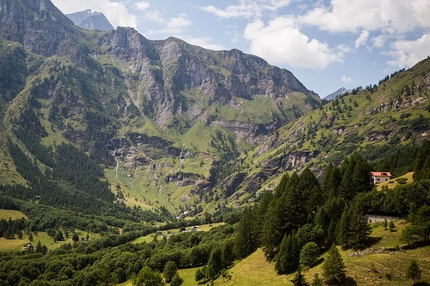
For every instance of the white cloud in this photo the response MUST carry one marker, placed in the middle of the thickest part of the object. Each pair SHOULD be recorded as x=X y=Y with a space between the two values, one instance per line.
x=362 y=39
x=247 y=8
x=179 y=22
x=280 y=42
x=154 y=16
x=176 y=25
x=346 y=79
x=379 y=41
x=388 y=16
x=408 y=53
x=143 y=5
x=205 y=42
x=117 y=13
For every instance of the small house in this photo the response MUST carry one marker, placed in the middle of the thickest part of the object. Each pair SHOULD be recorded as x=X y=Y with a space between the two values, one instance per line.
x=379 y=177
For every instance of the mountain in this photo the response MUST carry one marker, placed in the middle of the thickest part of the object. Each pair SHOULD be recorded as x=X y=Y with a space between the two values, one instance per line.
x=169 y=122
x=340 y=91
x=90 y=20
x=378 y=121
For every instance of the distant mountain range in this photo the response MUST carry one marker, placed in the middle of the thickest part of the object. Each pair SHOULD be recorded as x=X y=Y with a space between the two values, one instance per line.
x=91 y=20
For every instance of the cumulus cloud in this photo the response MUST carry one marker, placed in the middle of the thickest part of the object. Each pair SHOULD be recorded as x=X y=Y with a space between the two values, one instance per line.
x=154 y=16
x=143 y=5
x=247 y=8
x=362 y=39
x=346 y=79
x=117 y=13
x=351 y=16
x=280 y=42
x=379 y=41
x=408 y=53
x=205 y=42
x=175 y=25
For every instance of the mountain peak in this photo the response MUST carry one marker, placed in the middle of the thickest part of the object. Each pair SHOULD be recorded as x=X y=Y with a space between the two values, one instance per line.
x=91 y=20
x=338 y=92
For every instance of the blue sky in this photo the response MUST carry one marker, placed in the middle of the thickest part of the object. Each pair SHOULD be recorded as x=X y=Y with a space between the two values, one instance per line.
x=326 y=44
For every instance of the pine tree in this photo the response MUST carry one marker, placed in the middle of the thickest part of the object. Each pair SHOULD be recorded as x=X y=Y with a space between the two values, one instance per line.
x=273 y=231
x=259 y=212
x=359 y=229
x=342 y=229
x=215 y=263
x=227 y=254
x=309 y=254
x=294 y=211
x=288 y=256
x=333 y=266
x=413 y=271
x=392 y=226
x=245 y=240
x=75 y=237
x=38 y=247
x=299 y=279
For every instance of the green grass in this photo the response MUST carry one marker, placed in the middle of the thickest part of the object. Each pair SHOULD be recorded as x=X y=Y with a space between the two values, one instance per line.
x=393 y=182
x=6 y=214
x=386 y=268
x=17 y=244
x=148 y=238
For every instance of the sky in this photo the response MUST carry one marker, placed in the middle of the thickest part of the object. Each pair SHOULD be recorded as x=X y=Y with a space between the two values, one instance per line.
x=326 y=44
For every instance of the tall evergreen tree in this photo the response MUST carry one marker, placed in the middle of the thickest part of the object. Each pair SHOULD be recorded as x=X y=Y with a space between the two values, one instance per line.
x=288 y=257
x=227 y=254
x=413 y=271
x=294 y=211
x=215 y=263
x=342 y=228
x=258 y=213
x=273 y=228
x=245 y=240
x=333 y=267
x=359 y=228
x=299 y=279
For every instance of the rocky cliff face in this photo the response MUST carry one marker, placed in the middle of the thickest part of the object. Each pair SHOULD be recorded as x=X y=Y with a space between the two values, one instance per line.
x=169 y=69
x=37 y=24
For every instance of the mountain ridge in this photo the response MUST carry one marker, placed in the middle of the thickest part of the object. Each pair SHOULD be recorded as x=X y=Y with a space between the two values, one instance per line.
x=90 y=20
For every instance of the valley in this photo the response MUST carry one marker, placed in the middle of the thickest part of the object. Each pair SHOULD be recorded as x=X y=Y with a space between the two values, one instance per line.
x=108 y=139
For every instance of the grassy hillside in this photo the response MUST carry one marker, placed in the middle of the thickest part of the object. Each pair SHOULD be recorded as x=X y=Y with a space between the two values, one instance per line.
x=375 y=121
x=370 y=267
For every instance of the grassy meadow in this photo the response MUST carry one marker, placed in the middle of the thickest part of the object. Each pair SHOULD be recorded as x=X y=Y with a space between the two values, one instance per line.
x=372 y=267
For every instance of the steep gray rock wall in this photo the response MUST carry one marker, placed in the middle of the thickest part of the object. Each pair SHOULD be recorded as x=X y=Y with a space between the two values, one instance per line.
x=37 y=24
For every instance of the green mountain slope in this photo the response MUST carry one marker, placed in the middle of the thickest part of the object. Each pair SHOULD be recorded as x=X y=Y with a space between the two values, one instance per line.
x=376 y=121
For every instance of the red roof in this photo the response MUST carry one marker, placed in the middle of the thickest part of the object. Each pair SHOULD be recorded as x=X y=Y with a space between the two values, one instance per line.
x=381 y=174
